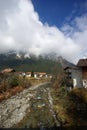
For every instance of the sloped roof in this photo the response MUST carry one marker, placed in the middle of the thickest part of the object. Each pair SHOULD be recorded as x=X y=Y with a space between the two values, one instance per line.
x=67 y=68
x=28 y=72
x=8 y=70
x=82 y=63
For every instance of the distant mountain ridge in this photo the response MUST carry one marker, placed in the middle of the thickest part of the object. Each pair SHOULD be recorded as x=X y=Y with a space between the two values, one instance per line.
x=23 y=62
x=64 y=62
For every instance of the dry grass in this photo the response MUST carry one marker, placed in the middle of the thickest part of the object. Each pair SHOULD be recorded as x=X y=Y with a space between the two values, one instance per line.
x=10 y=92
x=65 y=107
x=35 y=81
x=80 y=93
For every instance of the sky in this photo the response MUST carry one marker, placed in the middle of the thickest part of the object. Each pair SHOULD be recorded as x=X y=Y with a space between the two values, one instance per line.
x=44 y=27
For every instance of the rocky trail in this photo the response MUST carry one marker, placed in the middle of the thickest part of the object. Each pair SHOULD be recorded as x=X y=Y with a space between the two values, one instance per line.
x=38 y=104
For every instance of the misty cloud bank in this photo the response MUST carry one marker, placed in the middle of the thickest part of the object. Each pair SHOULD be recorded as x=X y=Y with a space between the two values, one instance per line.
x=22 y=30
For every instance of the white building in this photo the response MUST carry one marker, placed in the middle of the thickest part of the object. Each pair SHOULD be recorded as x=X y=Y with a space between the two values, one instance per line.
x=78 y=74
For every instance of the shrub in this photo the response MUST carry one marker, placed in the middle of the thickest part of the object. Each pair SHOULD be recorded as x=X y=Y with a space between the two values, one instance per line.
x=24 y=82
x=14 y=81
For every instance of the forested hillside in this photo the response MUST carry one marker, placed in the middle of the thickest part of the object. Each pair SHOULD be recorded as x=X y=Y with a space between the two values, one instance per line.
x=47 y=63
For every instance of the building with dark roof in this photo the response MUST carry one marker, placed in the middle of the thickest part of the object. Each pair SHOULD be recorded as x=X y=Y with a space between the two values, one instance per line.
x=78 y=74
x=82 y=63
x=8 y=70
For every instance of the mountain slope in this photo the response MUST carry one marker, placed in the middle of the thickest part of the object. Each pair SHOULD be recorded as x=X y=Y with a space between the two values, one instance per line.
x=20 y=63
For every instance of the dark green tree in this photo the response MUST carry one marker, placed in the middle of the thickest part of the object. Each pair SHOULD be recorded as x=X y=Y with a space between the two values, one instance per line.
x=32 y=73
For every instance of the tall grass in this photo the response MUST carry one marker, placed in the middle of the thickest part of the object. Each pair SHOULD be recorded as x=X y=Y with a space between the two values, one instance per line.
x=8 y=81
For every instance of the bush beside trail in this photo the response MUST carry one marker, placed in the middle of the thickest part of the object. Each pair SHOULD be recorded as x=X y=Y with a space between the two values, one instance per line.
x=10 y=84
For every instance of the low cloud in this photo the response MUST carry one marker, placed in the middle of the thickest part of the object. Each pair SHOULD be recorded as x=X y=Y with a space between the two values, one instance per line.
x=22 y=30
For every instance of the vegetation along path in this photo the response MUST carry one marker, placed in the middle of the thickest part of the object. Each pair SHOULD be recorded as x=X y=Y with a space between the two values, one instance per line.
x=30 y=108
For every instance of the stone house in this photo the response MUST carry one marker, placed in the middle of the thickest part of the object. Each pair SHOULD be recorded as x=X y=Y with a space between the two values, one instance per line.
x=28 y=74
x=78 y=74
x=41 y=74
x=82 y=64
x=74 y=74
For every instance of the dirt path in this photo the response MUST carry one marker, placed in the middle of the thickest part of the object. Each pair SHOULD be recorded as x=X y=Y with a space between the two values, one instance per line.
x=13 y=109
x=41 y=110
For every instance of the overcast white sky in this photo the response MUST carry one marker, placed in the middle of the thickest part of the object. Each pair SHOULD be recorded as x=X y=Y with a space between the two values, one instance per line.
x=22 y=30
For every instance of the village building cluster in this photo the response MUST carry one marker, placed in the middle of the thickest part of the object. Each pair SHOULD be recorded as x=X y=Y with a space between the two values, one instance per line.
x=27 y=74
x=35 y=75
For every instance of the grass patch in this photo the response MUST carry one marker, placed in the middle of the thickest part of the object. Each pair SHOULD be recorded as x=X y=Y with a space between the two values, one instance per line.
x=71 y=108
x=35 y=81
